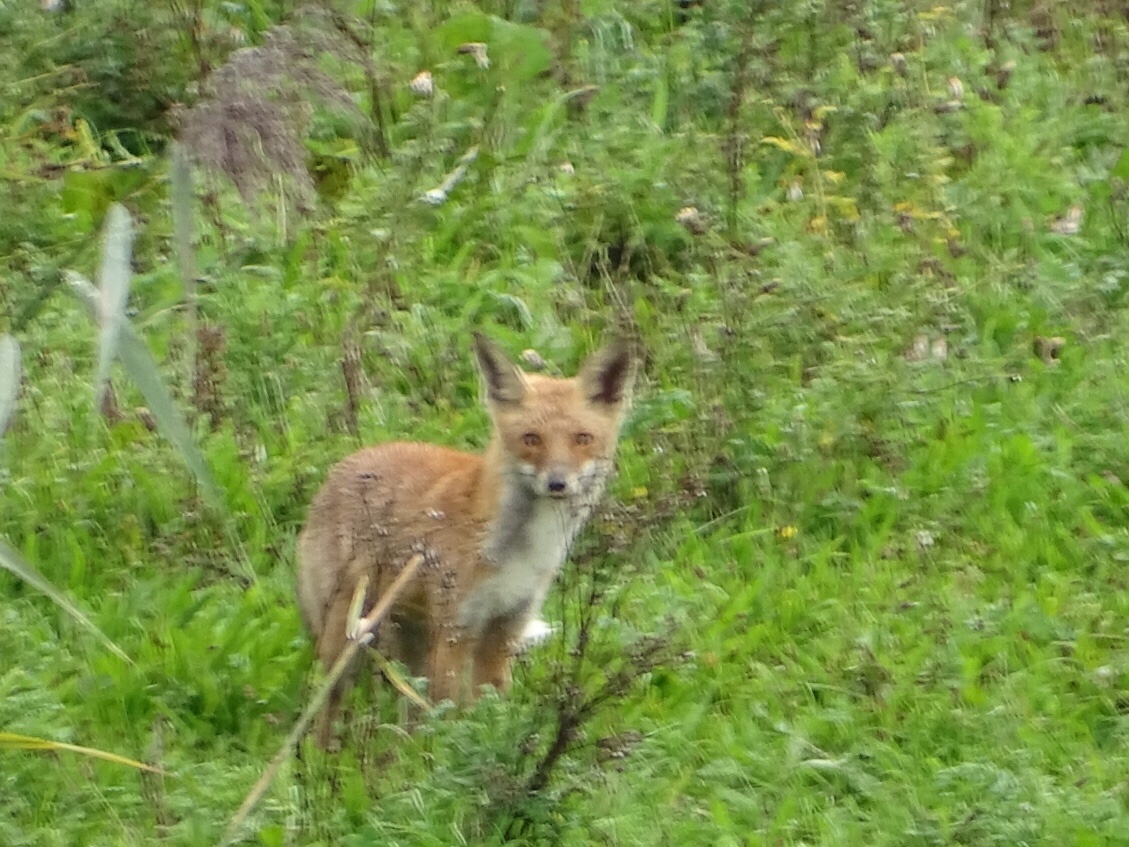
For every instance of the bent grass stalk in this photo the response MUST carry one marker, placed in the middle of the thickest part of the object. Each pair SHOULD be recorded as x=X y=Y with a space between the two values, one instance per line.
x=12 y=561
x=360 y=635
x=15 y=741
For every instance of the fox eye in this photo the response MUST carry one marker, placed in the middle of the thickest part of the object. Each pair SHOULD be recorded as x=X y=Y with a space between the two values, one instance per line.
x=583 y=438
x=531 y=439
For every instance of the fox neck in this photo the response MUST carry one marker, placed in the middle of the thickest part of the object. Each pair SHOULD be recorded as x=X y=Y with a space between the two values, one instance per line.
x=523 y=528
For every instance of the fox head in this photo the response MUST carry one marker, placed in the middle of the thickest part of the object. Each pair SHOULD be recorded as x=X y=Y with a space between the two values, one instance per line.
x=558 y=436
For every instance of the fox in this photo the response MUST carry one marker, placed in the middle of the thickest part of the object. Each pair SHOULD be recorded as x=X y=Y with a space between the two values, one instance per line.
x=495 y=528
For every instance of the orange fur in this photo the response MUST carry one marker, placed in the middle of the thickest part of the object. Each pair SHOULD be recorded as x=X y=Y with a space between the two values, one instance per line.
x=494 y=528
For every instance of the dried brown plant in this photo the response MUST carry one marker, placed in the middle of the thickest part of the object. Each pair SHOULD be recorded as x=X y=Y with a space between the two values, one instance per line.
x=258 y=106
x=211 y=374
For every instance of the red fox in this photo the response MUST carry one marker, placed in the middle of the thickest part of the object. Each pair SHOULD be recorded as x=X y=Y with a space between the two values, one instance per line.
x=494 y=528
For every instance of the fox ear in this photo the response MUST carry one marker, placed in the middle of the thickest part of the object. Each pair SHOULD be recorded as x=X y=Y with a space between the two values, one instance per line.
x=504 y=382
x=608 y=374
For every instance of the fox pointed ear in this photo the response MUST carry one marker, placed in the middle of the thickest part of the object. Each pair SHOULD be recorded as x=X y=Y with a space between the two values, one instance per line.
x=608 y=374
x=504 y=382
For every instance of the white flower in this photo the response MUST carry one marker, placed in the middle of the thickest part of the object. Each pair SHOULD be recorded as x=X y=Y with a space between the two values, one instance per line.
x=422 y=84
x=478 y=50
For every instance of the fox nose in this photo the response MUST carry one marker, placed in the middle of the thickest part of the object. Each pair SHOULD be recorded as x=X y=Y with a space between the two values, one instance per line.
x=557 y=484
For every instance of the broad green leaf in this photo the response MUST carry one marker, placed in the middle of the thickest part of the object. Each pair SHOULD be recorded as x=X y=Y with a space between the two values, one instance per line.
x=459 y=29
x=113 y=283
x=12 y=741
x=12 y=561
x=139 y=364
x=519 y=51
x=85 y=196
x=88 y=194
x=9 y=379
x=1121 y=169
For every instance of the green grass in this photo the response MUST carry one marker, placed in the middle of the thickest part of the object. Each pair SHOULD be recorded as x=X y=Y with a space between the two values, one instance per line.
x=895 y=591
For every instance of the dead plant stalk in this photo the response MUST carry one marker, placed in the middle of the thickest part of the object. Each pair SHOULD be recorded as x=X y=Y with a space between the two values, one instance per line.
x=364 y=630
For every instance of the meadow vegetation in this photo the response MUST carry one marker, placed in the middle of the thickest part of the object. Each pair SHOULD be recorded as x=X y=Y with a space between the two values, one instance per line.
x=862 y=578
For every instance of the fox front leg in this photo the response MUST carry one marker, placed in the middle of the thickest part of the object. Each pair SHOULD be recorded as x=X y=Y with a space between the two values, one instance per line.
x=447 y=662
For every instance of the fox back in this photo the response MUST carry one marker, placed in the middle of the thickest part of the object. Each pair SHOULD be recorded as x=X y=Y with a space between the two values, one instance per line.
x=494 y=528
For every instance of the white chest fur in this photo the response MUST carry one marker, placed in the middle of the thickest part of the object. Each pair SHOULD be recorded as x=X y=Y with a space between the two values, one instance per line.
x=527 y=547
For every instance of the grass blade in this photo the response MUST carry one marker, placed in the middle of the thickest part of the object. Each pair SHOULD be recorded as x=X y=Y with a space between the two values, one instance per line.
x=9 y=379
x=181 y=196
x=113 y=282
x=180 y=192
x=660 y=103
x=142 y=369
x=12 y=741
x=399 y=683
x=12 y=561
